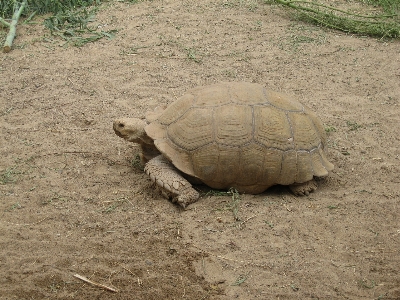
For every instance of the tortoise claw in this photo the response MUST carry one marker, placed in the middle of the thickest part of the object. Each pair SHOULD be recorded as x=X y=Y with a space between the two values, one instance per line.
x=304 y=189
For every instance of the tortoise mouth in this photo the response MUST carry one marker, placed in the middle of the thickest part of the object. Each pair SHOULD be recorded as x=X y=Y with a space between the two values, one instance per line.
x=118 y=133
x=127 y=137
x=118 y=124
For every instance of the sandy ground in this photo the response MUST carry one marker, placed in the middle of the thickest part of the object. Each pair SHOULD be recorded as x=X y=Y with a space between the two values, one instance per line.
x=74 y=201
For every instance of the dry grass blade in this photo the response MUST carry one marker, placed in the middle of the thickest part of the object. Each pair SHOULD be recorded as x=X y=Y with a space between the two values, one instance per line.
x=380 y=25
x=242 y=278
x=235 y=203
x=73 y=26
x=44 y=6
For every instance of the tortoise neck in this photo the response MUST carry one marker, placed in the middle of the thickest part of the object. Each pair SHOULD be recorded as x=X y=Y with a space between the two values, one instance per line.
x=149 y=150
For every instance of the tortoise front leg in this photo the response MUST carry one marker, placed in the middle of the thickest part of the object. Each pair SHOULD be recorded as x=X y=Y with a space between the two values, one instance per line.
x=172 y=183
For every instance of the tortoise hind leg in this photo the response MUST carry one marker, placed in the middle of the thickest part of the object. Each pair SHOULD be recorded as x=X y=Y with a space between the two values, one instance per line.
x=303 y=189
x=172 y=183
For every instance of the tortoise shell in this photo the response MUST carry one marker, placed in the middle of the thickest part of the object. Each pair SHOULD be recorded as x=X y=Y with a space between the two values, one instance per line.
x=241 y=135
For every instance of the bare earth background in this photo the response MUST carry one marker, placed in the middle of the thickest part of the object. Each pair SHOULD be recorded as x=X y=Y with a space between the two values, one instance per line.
x=73 y=201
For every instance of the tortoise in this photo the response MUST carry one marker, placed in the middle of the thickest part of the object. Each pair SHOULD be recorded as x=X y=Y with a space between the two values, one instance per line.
x=230 y=135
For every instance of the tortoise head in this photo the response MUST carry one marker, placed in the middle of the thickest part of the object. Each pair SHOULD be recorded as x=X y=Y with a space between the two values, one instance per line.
x=132 y=130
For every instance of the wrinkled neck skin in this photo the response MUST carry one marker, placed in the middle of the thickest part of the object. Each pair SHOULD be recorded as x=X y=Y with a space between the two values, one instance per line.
x=149 y=150
x=147 y=146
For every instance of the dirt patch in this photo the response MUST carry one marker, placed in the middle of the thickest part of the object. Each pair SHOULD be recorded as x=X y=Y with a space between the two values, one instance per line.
x=73 y=200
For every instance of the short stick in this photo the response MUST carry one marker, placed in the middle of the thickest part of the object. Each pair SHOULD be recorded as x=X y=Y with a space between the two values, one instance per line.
x=95 y=283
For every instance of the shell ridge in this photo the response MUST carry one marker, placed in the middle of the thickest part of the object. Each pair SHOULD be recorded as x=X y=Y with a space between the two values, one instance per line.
x=291 y=130
x=265 y=91
x=213 y=124
x=158 y=119
x=279 y=108
x=278 y=177
x=315 y=152
x=316 y=129
x=275 y=148
x=326 y=163
x=297 y=165
x=265 y=95
x=322 y=160
x=179 y=118
x=179 y=122
x=260 y=179
x=312 y=165
x=193 y=149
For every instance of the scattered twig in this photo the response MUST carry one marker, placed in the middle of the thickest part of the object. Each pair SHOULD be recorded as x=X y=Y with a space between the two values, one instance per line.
x=95 y=283
x=4 y=22
x=287 y=208
x=13 y=27
x=30 y=17
x=241 y=223
x=128 y=270
x=139 y=281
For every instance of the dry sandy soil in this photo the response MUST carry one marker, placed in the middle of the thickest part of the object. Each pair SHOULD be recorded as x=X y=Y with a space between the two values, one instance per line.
x=74 y=201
